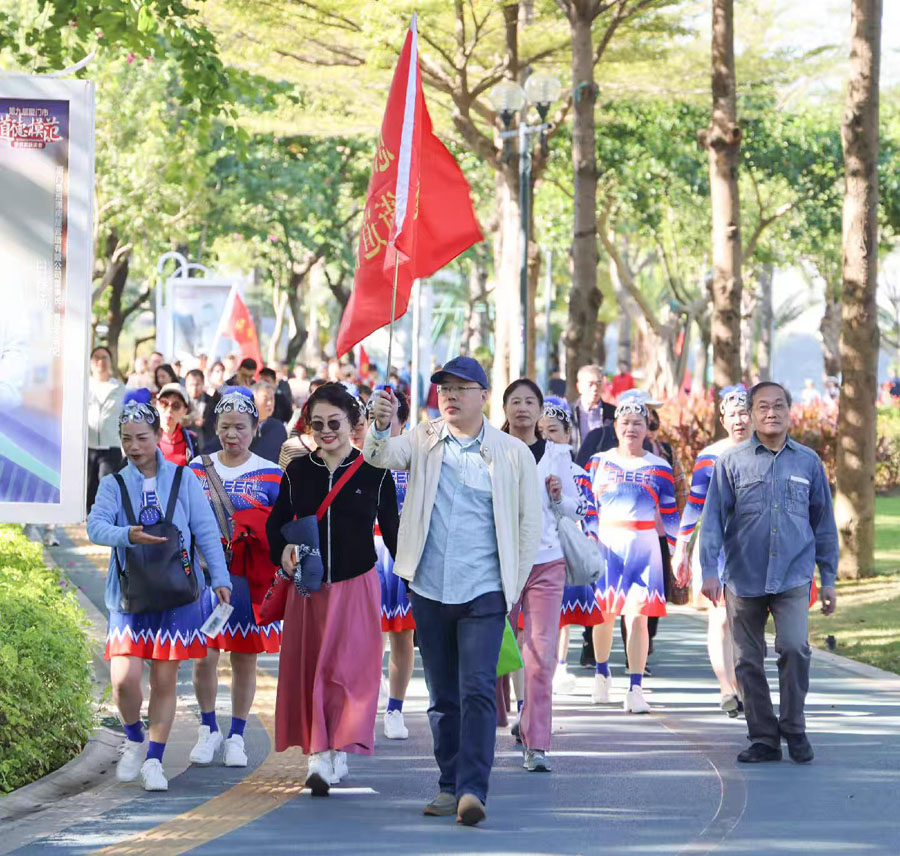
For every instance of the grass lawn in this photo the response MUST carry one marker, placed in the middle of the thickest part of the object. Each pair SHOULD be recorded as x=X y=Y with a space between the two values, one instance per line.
x=866 y=625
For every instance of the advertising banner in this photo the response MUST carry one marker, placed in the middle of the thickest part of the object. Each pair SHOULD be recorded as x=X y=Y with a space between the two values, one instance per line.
x=46 y=195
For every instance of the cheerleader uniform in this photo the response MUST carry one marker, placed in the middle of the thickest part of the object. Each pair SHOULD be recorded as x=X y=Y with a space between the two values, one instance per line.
x=629 y=493
x=693 y=511
x=253 y=484
x=173 y=634
x=396 y=613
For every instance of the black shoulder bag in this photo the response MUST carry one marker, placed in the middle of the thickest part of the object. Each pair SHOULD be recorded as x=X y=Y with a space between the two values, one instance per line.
x=159 y=576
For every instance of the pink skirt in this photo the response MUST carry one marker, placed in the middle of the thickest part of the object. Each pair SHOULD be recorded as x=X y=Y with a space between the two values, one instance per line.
x=330 y=667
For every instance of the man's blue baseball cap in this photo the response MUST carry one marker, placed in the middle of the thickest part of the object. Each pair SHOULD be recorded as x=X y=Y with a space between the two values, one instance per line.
x=462 y=367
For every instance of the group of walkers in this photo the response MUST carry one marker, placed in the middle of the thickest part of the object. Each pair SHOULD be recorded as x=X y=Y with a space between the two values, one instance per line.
x=450 y=531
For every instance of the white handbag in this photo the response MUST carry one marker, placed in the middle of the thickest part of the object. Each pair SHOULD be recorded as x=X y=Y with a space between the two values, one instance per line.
x=584 y=560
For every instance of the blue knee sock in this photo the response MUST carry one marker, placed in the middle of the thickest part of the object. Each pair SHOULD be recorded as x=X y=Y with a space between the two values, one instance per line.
x=237 y=726
x=519 y=703
x=155 y=750
x=636 y=679
x=395 y=704
x=603 y=668
x=135 y=731
x=209 y=719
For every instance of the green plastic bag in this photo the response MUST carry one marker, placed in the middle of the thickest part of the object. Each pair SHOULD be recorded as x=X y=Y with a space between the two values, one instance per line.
x=510 y=657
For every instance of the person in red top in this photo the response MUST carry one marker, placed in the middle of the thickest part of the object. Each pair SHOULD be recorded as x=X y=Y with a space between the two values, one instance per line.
x=622 y=382
x=177 y=444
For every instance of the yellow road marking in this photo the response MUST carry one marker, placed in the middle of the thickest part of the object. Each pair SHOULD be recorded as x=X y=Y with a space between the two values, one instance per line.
x=278 y=779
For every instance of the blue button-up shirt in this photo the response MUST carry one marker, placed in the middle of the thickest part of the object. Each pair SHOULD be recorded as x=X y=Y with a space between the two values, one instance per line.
x=772 y=513
x=460 y=560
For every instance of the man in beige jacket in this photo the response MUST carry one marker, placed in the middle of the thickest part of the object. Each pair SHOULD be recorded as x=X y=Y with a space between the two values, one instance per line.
x=468 y=536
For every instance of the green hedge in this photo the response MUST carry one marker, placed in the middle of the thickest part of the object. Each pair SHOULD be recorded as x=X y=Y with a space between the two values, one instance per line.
x=46 y=708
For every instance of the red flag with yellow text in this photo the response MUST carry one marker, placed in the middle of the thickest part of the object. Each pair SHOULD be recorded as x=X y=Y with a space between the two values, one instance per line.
x=418 y=209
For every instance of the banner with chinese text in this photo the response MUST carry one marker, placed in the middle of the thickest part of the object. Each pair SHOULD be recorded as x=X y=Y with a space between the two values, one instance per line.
x=46 y=187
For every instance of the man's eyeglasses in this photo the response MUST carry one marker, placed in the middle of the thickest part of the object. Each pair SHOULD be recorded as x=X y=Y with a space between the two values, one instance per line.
x=318 y=425
x=452 y=389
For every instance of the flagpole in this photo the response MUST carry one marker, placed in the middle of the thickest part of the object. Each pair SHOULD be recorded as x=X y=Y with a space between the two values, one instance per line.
x=387 y=368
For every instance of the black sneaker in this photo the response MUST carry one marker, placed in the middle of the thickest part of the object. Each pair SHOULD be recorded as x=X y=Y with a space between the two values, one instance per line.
x=799 y=748
x=516 y=732
x=759 y=752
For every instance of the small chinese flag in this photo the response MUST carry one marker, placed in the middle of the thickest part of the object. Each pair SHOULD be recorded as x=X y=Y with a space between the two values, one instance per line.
x=418 y=210
x=238 y=325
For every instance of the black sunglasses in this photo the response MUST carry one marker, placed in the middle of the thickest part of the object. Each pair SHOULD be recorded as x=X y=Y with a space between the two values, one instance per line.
x=319 y=426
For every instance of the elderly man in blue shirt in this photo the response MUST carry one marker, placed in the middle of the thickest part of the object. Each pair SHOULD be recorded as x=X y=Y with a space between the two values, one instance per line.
x=469 y=533
x=769 y=506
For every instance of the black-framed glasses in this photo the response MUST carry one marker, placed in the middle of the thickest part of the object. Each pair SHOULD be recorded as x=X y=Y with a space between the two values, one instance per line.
x=453 y=389
x=318 y=425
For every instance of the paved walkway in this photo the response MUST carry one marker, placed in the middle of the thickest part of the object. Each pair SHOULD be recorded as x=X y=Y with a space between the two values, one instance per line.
x=660 y=784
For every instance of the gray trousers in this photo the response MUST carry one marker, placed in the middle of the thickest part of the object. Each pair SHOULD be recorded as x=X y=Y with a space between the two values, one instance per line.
x=748 y=616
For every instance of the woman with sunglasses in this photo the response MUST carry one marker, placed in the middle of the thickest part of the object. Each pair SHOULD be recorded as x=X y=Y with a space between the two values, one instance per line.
x=330 y=661
x=579 y=603
x=176 y=442
x=633 y=488
x=539 y=604
x=250 y=482
x=397 y=622
x=164 y=638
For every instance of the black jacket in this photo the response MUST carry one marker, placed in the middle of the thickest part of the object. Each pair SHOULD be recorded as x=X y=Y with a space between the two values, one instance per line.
x=370 y=493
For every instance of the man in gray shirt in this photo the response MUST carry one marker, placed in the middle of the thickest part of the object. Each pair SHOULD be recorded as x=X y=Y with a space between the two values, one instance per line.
x=769 y=506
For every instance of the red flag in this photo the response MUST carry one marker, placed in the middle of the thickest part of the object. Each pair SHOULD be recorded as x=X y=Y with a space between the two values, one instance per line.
x=363 y=364
x=418 y=208
x=240 y=327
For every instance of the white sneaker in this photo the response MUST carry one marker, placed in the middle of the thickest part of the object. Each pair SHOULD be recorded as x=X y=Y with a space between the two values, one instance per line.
x=208 y=743
x=601 y=688
x=320 y=774
x=129 y=766
x=384 y=692
x=152 y=776
x=394 y=727
x=635 y=701
x=235 y=756
x=339 y=766
x=563 y=680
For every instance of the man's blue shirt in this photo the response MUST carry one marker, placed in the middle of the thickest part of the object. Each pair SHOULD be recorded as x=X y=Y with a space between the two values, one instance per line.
x=773 y=515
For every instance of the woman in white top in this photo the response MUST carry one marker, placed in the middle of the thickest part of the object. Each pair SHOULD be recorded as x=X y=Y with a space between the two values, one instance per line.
x=542 y=596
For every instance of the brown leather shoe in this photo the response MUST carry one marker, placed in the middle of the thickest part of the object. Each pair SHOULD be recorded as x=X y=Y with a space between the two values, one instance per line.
x=443 y=805
x=470 y=811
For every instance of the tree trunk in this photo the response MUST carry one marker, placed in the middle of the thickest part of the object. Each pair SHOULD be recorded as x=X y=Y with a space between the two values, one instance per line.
x=830 y=330
x=705 y=328
x=474 y=337
x=506 y=289
x=623 y=346
x=766 y=319
x=295 y=304
x=279 y=304
x=722 y=140
x=855 y=496
x=116 y=316
x=600 y=344
x=585 y=297
x=749 y=308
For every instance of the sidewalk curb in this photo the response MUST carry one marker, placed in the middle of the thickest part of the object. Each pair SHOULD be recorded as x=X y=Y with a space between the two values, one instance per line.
x=84 y=771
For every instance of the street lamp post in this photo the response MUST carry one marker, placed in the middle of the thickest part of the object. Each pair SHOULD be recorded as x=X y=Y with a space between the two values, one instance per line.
x=508 y=98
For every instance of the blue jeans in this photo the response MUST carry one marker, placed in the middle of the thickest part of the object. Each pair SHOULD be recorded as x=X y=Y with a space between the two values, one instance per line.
x=460 y=644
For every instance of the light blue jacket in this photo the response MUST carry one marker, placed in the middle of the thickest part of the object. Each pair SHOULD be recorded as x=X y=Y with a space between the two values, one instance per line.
x=108 y=525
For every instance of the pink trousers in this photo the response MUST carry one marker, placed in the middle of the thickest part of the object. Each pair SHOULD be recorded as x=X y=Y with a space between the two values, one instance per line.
x=540 y=603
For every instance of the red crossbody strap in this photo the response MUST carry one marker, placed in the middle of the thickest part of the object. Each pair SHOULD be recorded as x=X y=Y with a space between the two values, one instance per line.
x=326 y=503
